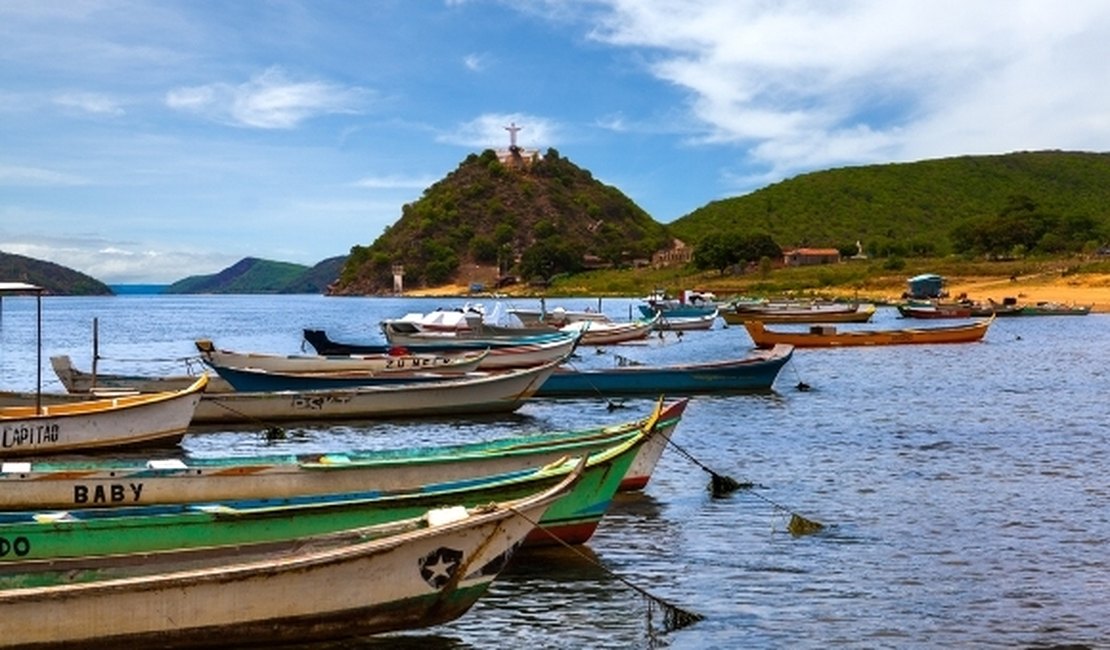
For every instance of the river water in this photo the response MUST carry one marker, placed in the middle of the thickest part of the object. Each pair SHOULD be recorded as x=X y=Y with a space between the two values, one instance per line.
x=965 y=489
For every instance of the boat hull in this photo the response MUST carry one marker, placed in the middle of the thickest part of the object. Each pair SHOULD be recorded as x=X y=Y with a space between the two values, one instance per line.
x=94 y=424
x=827 y=337
x=754 y=373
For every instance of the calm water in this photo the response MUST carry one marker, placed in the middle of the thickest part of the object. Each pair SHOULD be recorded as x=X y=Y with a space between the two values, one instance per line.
x=966 y=487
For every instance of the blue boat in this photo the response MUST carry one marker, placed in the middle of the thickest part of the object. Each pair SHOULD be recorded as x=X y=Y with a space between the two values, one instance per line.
x=753 y=373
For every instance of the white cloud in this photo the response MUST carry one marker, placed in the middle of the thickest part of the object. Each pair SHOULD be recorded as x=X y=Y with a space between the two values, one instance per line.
x=490 y=131
x=37 y=177
x=476 y=62
x=394 y=182
x=802 y=85
x=270 y=100
x=94 y=103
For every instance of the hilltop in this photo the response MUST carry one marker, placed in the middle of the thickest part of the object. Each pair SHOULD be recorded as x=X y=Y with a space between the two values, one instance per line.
x=56 y=279
x=494 y=217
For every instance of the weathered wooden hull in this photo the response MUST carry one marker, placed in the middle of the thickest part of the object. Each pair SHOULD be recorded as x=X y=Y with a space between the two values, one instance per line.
x=672 y=323
x=99 y=532
x=827 y=337
x=360 y=583
x=500 y=392
x=115 y=483
x=397 y=361
x=98 y=423
x=251 y=380
x=79 y=382
x=756 y=372
x=816 y=314
x=511 y=352
x=598 y=333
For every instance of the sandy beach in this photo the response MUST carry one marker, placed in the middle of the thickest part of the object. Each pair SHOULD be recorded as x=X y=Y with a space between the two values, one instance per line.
x=1083 y=289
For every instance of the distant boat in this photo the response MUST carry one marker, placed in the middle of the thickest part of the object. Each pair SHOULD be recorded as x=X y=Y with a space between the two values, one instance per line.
x=826 y=336
x=405 y=574
x=679 y=320
x=601 y=333
x=756 y=372
x=795 y=312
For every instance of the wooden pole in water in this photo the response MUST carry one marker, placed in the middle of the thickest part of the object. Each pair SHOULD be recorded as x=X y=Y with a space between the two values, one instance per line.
x=96 y=348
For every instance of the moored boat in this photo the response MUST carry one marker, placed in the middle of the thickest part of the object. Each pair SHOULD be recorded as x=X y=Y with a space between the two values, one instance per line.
x=479 y=393
x=397 y=360
x=103 y=532
x=824 y=336
x=608 y=333
x=756 y=372
x=406 y=574
x=62 y=484
x=504 y=352
x=740 y=312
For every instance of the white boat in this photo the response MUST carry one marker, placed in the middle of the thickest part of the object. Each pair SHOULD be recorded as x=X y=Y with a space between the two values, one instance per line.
x=92 y=424
x=397 y=576
x=600 y=333
x=686 y=323
x=398 y=361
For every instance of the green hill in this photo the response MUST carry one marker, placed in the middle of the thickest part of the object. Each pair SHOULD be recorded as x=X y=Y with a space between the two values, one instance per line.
x=248 y=275
x=57 y=280
x=931 y=207
x=534 y=217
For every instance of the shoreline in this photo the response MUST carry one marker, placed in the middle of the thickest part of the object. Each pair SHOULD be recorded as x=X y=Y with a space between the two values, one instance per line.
x=1080 y=289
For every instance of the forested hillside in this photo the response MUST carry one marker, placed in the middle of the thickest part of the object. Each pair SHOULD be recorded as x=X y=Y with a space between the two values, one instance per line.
x=1051 y=202
x=534 y=217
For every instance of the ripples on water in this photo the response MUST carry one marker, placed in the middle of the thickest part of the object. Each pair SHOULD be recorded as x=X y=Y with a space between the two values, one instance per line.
x=965 y=486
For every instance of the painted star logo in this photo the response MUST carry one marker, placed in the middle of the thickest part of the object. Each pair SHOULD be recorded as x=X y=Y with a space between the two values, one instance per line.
x=438 y=567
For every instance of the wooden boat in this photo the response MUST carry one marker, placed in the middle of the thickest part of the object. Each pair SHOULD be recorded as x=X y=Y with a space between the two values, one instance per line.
x=599 y=333
x=398 y=360
x=756 y=372
x=62 y=484
x=476 y=393
x=504 y=352
x=740 y=312
x=79 y=382
x=90 y=424
x=1045 y=308
x=102 y=532
x=406 y=574
x=674 y=321
x=826 y=336
x=93 y=424
x=252 y=380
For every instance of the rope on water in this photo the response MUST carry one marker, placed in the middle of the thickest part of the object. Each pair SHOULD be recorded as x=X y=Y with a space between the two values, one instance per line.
x=721 y=485
x=674 y=617
x=270 y=430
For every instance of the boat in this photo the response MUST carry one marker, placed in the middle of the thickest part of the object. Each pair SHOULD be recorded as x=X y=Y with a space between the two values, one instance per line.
x=827 y=336
x=406 y=574
x=475 y=393
x=504 y=351
x=91 y=424
x=52 y=535
x=737 y=313
x=1046 y=308
x=600 y=333
x=676 y=321
x=80 y=382
x=557 y=317
x=944 y=310
x=689 y=303
x=397 y=360
x=756 y=372
x=106 y=483
x=252 y=380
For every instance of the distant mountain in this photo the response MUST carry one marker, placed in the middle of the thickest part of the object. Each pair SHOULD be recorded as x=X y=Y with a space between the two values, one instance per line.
x=253 y=275
x=56 y=279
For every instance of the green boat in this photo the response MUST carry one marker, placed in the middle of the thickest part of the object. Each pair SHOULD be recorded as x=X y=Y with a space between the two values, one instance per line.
x=27 y=536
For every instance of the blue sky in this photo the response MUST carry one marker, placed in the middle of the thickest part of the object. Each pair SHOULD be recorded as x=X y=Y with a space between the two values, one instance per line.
x=150 y=141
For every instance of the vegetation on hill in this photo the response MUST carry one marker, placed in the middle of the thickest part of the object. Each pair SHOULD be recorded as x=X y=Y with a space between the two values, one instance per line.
x=999 y=206
x=485 y=220
x=56 y=279
x=253 y=275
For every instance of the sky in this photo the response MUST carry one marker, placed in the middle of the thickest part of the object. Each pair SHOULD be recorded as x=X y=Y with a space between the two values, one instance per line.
x=148 y=141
